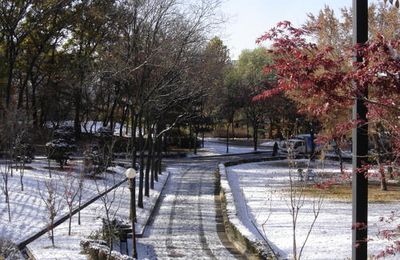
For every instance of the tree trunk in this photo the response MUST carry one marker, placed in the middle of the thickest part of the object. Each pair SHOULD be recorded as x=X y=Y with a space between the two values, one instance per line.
x=21 y=179
x=148 y=161
x=123 y=119
x=190 y=137
x=157 y=158
x=227 y=138
x=383 y=178
x=380 y=149
x=77 y=122
x=34 y=107
x=134 y=123
x=52 y=233
x=390 y=171
x=79 y=206
x=233 y=129
x=141 y=158
x=196 y=134
x=247 y=130
x=270 y=130
x=112 y=112
x=11 y=59
x=69 y=222
x=152 y=163
x=255 y=136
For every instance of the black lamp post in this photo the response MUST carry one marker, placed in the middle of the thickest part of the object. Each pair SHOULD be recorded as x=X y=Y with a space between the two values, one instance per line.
x=131 y=175
x=360 y=145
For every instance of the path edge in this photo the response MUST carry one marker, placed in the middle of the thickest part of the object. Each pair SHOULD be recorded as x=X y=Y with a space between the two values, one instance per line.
x=245 y=242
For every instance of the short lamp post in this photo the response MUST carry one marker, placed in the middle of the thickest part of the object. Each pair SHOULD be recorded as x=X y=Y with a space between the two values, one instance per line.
x=131 y=175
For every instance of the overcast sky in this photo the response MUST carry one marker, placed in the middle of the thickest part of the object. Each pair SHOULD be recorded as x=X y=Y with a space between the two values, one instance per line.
x=249 y=19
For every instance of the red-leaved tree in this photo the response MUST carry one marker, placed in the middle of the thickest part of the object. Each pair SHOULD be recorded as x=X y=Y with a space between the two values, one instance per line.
x=321 y=80
x=324 y=84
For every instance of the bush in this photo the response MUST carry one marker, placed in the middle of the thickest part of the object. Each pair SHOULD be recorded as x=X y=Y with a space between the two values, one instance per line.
x=8 y=250
x=62 y=146
x=23 y=150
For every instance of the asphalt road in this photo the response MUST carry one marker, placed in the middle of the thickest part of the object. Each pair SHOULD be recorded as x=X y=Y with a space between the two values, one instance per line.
x=187 y=223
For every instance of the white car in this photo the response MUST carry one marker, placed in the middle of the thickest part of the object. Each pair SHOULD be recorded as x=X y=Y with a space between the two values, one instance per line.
x=293 y=146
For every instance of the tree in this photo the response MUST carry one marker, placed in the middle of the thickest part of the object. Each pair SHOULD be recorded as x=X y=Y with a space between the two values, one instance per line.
x=252 y=81
x=60 y=148
x=320 y=71
x=13 y=14
x=71 y=190
x=52 y=203
x=108 y=200
x=5 y=171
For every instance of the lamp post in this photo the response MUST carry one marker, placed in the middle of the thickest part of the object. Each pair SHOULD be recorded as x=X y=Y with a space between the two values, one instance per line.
x=131 y=175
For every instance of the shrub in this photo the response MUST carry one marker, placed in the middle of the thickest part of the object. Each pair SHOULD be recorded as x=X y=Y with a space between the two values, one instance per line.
x=8 y=250
x=62 y=146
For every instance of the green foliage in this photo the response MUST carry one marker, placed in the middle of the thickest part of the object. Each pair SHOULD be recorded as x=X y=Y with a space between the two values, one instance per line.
x=62 y=146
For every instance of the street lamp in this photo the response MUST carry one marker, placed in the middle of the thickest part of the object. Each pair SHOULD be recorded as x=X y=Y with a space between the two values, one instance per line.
x=131 y=175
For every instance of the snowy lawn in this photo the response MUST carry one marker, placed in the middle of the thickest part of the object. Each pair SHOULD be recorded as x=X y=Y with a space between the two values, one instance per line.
x=68 y=247
x=29 y=215
x=264 y=188
x=28 y=211
x=214 y=146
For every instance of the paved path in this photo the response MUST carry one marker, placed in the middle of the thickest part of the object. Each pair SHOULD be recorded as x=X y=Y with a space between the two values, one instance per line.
x=187 y=223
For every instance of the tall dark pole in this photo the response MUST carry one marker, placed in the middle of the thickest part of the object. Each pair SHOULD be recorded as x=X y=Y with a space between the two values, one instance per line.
x=360 y=145
x=133 y=215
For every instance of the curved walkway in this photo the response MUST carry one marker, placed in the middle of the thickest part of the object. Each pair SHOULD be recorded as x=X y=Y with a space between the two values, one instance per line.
x=187 y=223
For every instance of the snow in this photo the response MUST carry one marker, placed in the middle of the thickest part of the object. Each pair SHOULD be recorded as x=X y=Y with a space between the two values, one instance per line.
x=185 y=225
x=259 y=185
x=215 y=146
x=269 y=143
x=235 y=208
x=94 y=126
x=28 y=213
x=68 y=247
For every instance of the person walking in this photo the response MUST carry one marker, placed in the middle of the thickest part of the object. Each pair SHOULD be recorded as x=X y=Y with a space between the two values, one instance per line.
x=275 y=149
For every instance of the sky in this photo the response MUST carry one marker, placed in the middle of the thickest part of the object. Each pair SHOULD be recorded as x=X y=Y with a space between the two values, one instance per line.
x=249 y=19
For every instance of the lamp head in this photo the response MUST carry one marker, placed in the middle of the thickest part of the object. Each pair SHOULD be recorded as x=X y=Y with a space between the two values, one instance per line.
x=130 y=173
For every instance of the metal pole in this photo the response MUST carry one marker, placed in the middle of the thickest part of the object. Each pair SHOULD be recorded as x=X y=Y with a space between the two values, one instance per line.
x=133 y=214
x=360 y=145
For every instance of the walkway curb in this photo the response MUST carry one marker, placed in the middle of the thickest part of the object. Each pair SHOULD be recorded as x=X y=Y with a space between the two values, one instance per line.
x=151 y=215
x=250 y=246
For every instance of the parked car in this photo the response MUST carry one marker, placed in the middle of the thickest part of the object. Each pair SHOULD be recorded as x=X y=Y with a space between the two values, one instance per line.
x=292 y=146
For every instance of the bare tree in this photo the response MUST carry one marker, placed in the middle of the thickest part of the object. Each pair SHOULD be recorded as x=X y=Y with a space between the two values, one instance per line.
x=5 y=170
x=81 y=181
x=71 y=190
x=52 y=202
x=297 y=200
x=111 y=205
x=22 y=153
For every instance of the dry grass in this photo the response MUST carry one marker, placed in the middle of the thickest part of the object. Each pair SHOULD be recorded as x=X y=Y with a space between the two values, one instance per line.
x=342 y=192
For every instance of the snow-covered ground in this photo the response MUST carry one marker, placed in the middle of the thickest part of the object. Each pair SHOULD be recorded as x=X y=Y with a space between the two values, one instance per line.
x=260 y=185
x=94 y=126
x=29 y=215
x=215 y=146
x=68 y=247
x=28 y=211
